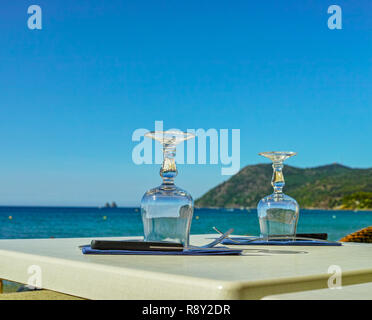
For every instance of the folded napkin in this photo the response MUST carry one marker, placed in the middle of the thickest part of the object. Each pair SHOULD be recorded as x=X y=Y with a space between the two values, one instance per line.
x=281 y=242
x=185 y=252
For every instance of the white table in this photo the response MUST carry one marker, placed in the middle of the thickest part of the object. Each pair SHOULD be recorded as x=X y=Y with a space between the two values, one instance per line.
x=261 y=271
x=357 y=291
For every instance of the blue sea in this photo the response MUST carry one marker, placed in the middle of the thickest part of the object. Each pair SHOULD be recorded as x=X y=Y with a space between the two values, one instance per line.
x=66 y=222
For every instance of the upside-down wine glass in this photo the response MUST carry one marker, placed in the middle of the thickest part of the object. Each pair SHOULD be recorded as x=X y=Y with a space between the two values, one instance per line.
x=278 y=213
x=167 y=210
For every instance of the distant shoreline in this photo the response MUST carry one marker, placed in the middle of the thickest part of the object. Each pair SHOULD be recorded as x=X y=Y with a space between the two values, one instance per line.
x=253 y=208
x=67 y=206
x=196 y=207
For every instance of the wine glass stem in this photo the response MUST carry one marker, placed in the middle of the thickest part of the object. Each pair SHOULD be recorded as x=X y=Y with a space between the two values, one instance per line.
x=168 y=170
x=278 y=179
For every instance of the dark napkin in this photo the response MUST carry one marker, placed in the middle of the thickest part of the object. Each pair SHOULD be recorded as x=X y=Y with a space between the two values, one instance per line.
x=185 y=252
x=283 y=242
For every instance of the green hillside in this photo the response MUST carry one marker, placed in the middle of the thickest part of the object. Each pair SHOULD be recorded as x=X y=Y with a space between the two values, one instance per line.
x=330 y=186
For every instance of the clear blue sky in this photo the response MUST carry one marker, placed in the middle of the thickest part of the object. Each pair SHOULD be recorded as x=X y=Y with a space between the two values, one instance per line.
x=72 y=93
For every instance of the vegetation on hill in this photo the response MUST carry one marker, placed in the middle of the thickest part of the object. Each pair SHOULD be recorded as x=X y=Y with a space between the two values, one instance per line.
x=330 y=186
x=358 y=200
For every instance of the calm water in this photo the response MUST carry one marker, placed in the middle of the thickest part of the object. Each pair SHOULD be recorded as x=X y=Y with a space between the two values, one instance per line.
x=45 y=222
